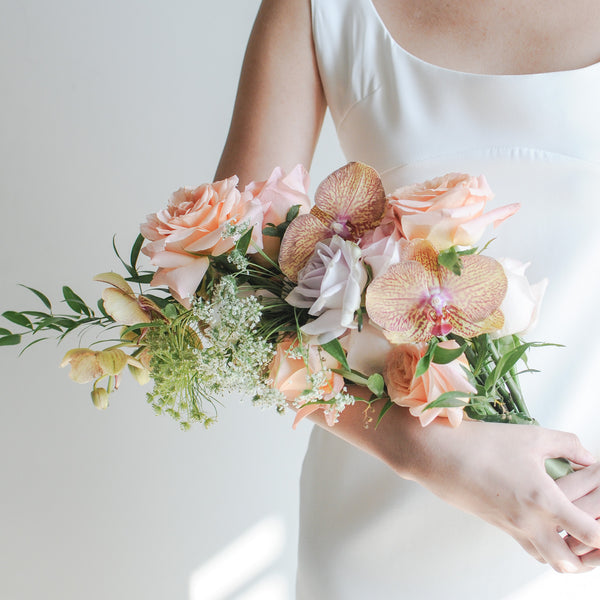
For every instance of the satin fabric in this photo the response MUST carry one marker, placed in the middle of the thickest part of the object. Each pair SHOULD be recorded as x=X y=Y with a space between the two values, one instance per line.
x=364 y=532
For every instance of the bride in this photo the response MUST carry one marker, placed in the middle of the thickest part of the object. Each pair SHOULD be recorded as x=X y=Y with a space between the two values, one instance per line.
x=417 y=88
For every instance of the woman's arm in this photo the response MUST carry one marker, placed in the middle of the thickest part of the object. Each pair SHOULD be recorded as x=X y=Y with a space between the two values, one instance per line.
x=280 y=103
x=493 y=471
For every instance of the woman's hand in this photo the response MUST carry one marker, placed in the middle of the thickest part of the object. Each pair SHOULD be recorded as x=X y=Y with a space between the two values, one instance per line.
x=583 y=489
x=496 y=472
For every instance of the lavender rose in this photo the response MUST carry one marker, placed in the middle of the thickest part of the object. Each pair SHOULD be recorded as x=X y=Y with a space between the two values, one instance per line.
x=330 y=286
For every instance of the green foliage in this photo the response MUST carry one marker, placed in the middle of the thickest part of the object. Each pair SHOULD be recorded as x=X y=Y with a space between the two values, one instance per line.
x=39 y=294
x=449 y=400
x=443 y=356
x=383 y=411
x=427 y=358
x=376 y=384
x=451 y=260
x=334 y=348
x=12 y=339
x=75 y=303
x=278 y=231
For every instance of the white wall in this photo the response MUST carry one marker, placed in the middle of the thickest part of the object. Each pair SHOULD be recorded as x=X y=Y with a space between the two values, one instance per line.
x=105 y=108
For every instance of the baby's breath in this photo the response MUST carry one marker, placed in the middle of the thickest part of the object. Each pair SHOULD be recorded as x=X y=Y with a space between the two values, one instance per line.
x=212 y=350
x=235 y=230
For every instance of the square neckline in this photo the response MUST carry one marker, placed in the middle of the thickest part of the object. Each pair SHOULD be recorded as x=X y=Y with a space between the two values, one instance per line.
x=458 y=72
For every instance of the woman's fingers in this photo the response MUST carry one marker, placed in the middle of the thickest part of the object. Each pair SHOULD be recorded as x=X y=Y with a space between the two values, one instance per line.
x=557 y=553
x=567 y=445
x=580 y=483
x=592 y=559
x=577 y=547
x=590 y=503
x=578 y=523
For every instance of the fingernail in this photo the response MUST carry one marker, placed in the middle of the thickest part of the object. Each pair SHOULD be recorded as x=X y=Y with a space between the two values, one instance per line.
x=567 y=567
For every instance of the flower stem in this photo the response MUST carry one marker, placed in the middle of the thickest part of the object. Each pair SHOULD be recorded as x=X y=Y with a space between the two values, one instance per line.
x=511 y=384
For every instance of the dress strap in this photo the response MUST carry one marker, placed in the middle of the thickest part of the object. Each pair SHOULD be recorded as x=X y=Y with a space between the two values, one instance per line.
x=349 y=41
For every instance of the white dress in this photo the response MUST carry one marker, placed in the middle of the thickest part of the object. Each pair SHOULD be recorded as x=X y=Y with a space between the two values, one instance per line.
x=364 y=532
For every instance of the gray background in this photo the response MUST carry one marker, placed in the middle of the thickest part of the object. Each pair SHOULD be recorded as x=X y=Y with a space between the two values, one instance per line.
x=106 y=108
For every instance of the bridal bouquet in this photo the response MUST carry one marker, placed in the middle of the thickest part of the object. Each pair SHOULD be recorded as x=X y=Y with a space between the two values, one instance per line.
x=256 y=292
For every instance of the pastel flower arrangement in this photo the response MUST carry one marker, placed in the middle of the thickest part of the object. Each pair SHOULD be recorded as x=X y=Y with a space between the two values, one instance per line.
x=255 y=291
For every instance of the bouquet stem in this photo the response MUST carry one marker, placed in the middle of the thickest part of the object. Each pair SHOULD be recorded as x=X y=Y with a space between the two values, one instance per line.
x=513 y=407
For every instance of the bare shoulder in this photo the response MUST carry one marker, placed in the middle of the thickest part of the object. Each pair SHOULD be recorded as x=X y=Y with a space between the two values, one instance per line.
x=280 y=104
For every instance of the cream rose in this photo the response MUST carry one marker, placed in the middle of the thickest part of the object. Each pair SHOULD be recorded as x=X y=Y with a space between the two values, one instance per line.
x=446 y=211
x=330 y=286
x=521 y=305
x=193 y=227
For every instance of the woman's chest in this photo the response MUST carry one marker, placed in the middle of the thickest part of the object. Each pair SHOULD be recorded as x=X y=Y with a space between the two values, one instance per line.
x=496 y=37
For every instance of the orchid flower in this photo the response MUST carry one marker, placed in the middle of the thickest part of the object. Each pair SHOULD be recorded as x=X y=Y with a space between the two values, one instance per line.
x=348 y=203
x=418 y=298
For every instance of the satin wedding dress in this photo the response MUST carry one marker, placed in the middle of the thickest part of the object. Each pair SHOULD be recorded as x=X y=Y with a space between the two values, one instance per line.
x=364 y=532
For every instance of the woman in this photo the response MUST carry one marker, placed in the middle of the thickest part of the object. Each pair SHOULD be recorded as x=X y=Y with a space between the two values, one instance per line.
x=505 y=88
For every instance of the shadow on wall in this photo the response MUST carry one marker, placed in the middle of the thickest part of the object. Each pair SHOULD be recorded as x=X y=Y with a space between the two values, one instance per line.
x=242 y=567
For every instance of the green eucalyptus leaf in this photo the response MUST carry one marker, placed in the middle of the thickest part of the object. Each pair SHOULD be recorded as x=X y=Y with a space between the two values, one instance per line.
x=426 y=359
x=443 y=356
x=384 y=409
x=10 y=340
x=376 y=384
x=334 y=348
x=17 y=318
x=39 y=294
x=102 y=309
x=271 y=231
x=243 y=243
x=292 y=213
x=505 y=364
x=130 y=269
x=449 y=400
x=36 y=313
x=135 y=250
x=145 y=278
x=75 y=303
x=32 y=343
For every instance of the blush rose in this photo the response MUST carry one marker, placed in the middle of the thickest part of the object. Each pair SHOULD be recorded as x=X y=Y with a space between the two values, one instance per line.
x=277 y=195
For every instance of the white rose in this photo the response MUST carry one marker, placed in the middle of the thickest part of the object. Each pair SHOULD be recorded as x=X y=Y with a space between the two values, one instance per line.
x=330 y=286
x=367 y=349
x=521 y=304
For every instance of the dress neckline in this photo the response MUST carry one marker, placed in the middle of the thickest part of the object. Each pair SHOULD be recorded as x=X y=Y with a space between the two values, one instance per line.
x=458 y=72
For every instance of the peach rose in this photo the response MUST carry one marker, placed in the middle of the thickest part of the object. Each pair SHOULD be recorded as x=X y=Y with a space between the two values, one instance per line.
x=447 y=211
x=415 y=394
x=289 y=376
x=277 y=195
x=192 y=228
